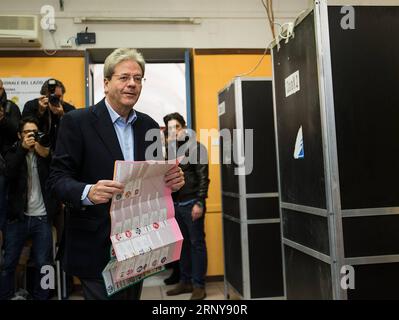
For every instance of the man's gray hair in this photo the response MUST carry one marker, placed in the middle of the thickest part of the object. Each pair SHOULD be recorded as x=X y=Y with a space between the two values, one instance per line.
x=119 y=55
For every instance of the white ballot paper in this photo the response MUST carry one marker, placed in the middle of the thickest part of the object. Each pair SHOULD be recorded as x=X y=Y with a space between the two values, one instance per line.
x=144 y=232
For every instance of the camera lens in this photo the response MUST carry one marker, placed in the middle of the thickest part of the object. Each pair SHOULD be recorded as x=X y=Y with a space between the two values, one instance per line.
x=43 y=139
x=54 y=99
x=33 y=134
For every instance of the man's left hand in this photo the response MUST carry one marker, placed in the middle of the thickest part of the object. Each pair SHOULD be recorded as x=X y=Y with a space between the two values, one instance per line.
x=174 y=178
x=42 y=151
x=196 y=212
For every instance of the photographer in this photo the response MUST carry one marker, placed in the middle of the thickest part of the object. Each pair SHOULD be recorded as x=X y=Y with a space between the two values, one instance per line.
x=49 y=108
x=9 y=119
x=30 y=210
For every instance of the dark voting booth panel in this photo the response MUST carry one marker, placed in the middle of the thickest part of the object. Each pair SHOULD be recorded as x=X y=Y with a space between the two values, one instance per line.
x=337 y=131
x=251 y=223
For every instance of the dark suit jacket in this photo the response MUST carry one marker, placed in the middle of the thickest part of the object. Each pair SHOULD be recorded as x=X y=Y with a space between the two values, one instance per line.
x=86 y=151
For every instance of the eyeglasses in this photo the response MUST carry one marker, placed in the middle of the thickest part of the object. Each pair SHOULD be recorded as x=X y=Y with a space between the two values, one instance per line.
x=127 y=77
x=29 y=131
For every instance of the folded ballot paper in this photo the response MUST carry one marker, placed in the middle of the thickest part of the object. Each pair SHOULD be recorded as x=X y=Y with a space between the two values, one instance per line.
x=144 y=232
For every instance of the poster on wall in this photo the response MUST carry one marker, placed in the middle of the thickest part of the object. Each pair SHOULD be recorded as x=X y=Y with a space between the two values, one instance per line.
x=20 y=90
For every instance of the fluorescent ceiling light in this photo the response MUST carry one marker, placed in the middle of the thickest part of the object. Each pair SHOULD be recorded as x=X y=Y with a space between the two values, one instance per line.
x=136 y=20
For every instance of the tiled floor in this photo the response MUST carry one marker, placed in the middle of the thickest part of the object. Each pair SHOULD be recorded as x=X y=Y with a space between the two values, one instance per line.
x=155 y=289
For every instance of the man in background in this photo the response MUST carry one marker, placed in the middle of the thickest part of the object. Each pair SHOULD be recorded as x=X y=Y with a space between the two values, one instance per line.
x=190 y=207
x=30 y=208
x=49 y=108
x=10 y=115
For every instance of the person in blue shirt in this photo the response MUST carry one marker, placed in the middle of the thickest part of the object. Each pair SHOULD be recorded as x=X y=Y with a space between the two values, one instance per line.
x=89 y=142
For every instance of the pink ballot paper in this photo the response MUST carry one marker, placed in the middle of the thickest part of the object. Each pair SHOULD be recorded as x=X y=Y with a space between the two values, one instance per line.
x=144 y=232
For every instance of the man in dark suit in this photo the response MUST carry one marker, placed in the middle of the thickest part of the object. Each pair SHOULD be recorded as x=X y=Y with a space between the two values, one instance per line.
x=90 y=141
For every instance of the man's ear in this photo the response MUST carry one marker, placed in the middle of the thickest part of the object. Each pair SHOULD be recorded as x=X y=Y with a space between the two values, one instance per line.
x=19 y=136
x=106 y=81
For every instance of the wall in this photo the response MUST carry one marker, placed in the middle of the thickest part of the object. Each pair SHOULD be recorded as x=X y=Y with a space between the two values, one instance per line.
x=223 y=23
x=211 y=74
x=69 y=70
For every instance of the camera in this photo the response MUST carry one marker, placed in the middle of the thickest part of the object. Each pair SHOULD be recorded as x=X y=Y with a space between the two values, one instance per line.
x=52 y=97
x=42 y=138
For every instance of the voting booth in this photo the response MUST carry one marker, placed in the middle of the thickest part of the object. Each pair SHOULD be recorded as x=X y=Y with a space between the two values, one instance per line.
x=337 y=126
x=251 y=224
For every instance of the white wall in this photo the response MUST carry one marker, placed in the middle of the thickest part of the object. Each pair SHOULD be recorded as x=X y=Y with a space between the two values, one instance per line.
x=224 y=23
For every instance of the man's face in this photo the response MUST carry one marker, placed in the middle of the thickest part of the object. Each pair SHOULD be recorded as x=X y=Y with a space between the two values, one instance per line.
x=175 y=129
x=28 y=129
x=122 y=90
x=58 y=92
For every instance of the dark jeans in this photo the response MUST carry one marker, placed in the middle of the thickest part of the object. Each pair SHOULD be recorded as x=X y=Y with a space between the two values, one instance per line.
x=193 y=259
x=17 y=232
x=94 y=289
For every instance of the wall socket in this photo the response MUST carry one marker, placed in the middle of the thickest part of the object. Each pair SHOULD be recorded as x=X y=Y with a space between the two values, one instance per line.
x=66 y=44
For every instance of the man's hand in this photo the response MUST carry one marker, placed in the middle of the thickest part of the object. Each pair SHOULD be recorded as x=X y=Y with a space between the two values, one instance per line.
x=104 y=190
x=43 y=104
x=29 y=141
x=42 y=151
x=196 y=212
x=58 y=110
x=174 y=178
x=1 y=113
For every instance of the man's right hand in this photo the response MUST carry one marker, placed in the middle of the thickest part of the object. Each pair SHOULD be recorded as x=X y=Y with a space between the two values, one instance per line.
x=43 y=104
x=28 y=141
x=104 y=190
x=1 y=113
